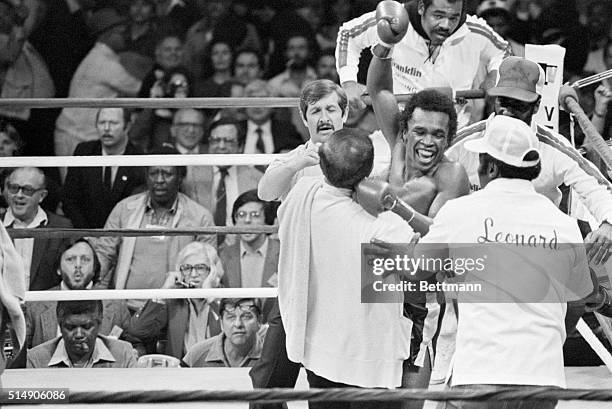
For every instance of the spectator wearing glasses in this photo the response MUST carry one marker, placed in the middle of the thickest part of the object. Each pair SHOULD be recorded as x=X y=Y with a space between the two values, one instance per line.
x=252 y=261
x=190 y=321
x=222 y=184
x=24 y=191
x=240 y=343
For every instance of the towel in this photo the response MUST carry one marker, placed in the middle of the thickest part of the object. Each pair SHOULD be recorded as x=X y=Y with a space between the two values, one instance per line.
x=294 y=262
x=12 y=286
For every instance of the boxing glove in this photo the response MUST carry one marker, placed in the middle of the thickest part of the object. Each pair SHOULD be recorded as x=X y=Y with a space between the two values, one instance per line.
x=369 y=193
x=391 y=22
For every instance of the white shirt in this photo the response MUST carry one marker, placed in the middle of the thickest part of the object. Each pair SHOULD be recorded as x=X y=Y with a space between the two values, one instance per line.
x=474 y=43
x=513 y=343
x=250 y=144
x=252 y=264
x=231 y=190
x=113 y=168
x=557 y=169
x=25 y=247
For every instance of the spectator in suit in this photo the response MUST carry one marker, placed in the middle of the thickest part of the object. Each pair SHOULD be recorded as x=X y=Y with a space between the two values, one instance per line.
x=81 y=345
x=24 y=190
x=91 y=193
x=191 y=320
x=78 y=267
x=143 y=262
x=221 y=185
x=252 y=261
x=264 y=132
x=240 y=343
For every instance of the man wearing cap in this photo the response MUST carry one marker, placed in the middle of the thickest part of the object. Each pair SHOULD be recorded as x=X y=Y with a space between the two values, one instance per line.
x=100 y=75
x=498 y=16
x=516 y=95
x=518 y=341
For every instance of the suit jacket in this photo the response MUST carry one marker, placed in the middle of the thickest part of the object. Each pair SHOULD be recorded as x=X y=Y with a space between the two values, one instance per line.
x=116 y=253
x=232 y=278
x=86 y=202
x=178 y=320
x=284 y=135
x=41 y=319
x=44 y=254
x=198 y=184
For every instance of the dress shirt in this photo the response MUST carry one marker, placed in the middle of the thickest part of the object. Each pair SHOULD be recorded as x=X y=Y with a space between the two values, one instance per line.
x=113 y=168
x=100 y=353
x=25 y=247
x=231 y=190
x=250 y=144
x=251 y=265
x=184 y=151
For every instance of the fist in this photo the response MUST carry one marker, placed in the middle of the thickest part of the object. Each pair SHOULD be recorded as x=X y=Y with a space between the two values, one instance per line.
x=391 y=21
x=373 y=195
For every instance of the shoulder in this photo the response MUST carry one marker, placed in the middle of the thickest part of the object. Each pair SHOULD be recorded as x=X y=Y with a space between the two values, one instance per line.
x=450 y=173
x=229 y=251
x=131 y=202
x=55 y=220
x=120 y=349
x=193 y=208
x=87 y=148
x=480 y=29
x=198 y=352
x=36 y=309
x=41 y=354
x=273 y=244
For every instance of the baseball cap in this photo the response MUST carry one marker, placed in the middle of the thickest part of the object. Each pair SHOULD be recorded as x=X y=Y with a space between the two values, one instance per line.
x=519 y=78
x=508 y=140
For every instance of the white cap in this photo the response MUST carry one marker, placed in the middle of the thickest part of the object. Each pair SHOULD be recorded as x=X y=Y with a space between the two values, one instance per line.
x=508 y=140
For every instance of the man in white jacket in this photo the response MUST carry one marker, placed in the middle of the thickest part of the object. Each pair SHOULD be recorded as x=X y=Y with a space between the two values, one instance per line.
x=442 y=47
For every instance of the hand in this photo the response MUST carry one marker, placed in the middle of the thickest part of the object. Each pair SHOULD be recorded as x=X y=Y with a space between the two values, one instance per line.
x=600 y=241
x=157 y=90
x=309 y=157
x=603 y=96
x=171 y=280
x=391 y=21
x=354 y=91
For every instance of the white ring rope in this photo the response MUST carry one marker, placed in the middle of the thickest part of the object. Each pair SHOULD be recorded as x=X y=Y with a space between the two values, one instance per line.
x=139 y=160
x=157 y=293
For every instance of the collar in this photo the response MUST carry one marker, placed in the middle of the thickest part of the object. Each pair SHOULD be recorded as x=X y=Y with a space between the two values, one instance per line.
x=172 y=210
x=216 y=354
x=230 y=170
x=40 y=218
x=337 y=191
x=100 y=353
x=262 y=250
x=184 y=151
x=266 y=127
x=104 y=153
x=509 y=185
x=64 y=287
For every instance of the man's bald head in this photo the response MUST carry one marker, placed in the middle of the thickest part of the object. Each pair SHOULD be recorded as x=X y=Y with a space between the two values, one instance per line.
x=347 y=157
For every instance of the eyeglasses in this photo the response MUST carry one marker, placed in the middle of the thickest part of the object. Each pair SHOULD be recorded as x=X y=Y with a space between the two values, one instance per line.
x=27 y=190
x=255 y=214
x=201 y=269
x=227 y=141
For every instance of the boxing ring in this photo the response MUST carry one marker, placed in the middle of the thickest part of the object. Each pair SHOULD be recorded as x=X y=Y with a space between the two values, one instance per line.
x=198 y=387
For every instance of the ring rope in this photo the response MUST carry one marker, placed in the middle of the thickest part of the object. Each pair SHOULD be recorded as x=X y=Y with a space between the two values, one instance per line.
x=338 y=394
x=49 y=233
x=153 y=293
x=234 y=159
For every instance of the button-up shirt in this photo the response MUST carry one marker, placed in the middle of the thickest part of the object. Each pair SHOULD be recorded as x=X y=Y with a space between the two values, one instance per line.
x=250 y=144
x=251 y=264
x=210 y=353
x=25 y=247
x=100 y=355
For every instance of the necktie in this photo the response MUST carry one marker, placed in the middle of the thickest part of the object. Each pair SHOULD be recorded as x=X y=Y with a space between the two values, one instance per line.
x=260 y=143
x=107 y=178
x=221 y=207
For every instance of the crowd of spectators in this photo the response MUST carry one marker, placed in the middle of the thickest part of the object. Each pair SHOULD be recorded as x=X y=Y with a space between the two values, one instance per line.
x=178 y=49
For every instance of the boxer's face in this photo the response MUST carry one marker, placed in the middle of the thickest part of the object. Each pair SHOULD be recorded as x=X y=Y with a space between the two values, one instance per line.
x=426 y=139
x=440 y=19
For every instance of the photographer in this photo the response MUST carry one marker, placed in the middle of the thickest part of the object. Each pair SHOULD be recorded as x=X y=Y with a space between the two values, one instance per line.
x=152 y=126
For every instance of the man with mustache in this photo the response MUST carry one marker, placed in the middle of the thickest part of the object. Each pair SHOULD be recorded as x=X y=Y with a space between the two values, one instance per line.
x=442 y=47
x=324 y=109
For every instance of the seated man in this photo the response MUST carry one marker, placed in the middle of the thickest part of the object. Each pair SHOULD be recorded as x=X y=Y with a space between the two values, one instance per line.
x=239 y=344
x=80 y=344
x=143 y=262
x=24 y=190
